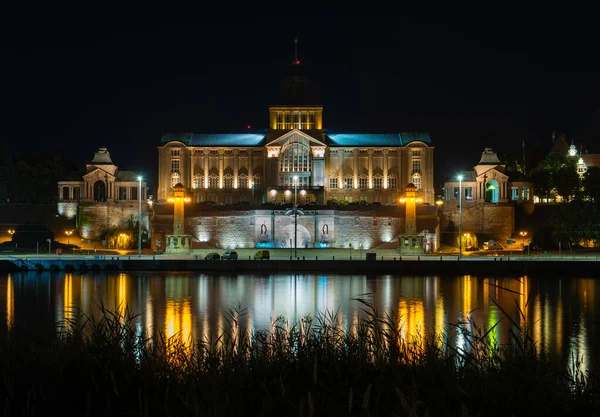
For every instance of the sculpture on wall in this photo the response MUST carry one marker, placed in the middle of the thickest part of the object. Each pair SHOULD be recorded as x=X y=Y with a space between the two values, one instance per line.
x=325 y=229
x=263 y=229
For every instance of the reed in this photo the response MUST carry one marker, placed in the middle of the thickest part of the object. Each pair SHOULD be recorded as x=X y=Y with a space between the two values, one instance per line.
x=105 y=365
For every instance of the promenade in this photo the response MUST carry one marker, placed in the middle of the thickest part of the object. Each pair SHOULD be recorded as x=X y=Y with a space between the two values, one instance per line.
x=343 y=261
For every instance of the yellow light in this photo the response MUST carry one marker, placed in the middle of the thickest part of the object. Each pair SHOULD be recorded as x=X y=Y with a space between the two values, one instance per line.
x=403 y=200
x=439 y=202
x=419 y=200
x=187 y=199
x=171 y=200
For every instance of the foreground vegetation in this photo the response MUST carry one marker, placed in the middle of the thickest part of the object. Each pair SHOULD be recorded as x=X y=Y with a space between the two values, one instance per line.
x=313 y=368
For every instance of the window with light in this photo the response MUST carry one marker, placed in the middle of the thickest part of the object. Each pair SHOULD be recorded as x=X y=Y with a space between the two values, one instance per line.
x=392 y=181
x=363 y=182
x=228 y=181
x=333 y=183
x=377 y=182
x=175 y=179
x=198 y=181
x=416 y=180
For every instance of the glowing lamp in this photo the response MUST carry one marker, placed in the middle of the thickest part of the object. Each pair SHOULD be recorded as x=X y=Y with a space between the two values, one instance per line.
x=419 y=200
x=402 y=200
x=171 y=200
x=187 y=199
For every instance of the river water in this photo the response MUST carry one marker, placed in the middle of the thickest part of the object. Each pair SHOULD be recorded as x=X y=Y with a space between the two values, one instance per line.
x=561 y=312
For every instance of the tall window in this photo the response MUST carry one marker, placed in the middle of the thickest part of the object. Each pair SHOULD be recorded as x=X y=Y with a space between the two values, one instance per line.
x=333 y=183
x=175 y=179
x=525 y=193
x=448 y=189
x=416 y=152
x=65 y=193
x=122 y=193
x=416 y=165
x=76 y=193
x=257 y=181
x=243 y=181
x=213 y=181
x=456 y=192
x=295 y=157
x=133 y=192
x=378 y=182
x=228 y=181
x=198 y=181
x=468 y=193
x=348 y=182
x=174 y=165
x=392 y=182
x=416 y=180
x=363 y=182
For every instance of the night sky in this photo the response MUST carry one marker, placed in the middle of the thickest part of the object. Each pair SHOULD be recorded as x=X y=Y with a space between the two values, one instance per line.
x=76 y=79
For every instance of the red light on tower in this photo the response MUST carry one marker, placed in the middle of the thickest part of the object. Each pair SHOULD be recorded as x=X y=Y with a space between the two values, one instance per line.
x=296 y=62
x=248 y=126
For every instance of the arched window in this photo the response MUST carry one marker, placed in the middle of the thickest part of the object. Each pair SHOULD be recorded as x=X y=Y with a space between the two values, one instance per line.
x=213 y=181
x=416 y=180
x=228 y=181
x=348 y=182
x=392 y=181
x=198 y=181
x=378 y=182
x=295 y=156
x=243 y=181
x=175 y=179
x=256 y=181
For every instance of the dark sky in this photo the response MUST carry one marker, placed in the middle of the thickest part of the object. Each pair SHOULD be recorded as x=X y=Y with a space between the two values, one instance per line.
x=75 y=79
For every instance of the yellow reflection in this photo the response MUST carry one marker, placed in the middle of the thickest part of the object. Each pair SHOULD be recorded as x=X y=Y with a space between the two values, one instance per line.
x=10 y=303
x=411 y=324
x=122 y=294
x=440 y=322
x=178 y=325
x=466 y=295
x=523 y=297
x=68 y=299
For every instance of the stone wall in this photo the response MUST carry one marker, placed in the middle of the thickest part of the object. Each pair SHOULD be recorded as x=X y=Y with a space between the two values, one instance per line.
x=492 y=221
x=97 y=218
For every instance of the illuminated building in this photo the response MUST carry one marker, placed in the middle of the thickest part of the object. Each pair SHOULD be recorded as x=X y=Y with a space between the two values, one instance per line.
x=104 y=198
x=489 y=194
x=264 y=167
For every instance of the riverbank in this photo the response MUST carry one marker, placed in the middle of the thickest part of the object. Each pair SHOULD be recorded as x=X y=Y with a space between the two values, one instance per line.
x=589 y=266
x=108 y=366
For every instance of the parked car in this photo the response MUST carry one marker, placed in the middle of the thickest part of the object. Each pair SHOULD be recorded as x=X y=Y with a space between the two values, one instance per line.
x=213 y=256
x=262 y=255
x=230 y=255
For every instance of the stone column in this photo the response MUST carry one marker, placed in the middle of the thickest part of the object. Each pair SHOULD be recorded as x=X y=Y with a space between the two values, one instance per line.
x=340 y=170
x=221 y=168
x=370 y=152
x=206 y=152
x=235 y=168
x=59 y=193
x=355 y=169
x=192 y=166
x=250 y=176
x=385 y=168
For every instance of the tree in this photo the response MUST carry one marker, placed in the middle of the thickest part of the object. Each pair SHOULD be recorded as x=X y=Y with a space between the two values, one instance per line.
x=591 y=184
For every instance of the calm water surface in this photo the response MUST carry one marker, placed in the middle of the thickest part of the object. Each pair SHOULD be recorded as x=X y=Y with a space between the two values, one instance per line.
x=562 y=312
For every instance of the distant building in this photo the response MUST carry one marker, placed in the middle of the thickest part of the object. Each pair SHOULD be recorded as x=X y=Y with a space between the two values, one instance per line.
x=489 y=195
x=104 y=200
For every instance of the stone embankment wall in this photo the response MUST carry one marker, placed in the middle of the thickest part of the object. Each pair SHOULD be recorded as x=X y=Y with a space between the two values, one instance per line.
x=495 y=221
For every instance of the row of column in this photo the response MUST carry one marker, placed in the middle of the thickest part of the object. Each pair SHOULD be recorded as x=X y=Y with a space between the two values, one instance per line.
x=221 y=168
x=355 y=155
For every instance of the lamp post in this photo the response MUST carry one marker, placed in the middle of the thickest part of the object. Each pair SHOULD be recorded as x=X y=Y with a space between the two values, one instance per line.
x=296 y=216
x=140 y=216
x=460 y=178
x=523 y=234
x=68 y=233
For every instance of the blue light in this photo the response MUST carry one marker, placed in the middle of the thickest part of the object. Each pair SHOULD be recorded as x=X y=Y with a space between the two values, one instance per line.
x=322 y=245
x=264 y=245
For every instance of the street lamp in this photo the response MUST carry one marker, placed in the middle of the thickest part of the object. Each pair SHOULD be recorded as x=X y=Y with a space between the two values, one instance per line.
x=296 y=216
x=460 y=178
x=523 y=234
x=68 y=233
x=140 y=216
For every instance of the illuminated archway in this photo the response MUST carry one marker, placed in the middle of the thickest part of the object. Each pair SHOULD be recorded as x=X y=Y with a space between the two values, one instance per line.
x=491 y=191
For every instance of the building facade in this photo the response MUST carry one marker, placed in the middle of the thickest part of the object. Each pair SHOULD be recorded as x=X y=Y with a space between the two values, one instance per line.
x=489 y=195
x=104 y=200
x=296 y=153
x=296 y=160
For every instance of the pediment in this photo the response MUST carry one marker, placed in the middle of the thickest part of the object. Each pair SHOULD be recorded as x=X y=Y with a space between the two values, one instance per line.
x=98 y=174
x=295 y=134
x=492 y=174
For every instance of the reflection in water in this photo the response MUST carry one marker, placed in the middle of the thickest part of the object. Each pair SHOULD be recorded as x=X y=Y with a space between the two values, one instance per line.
x=560 y=313
x=10 y=303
